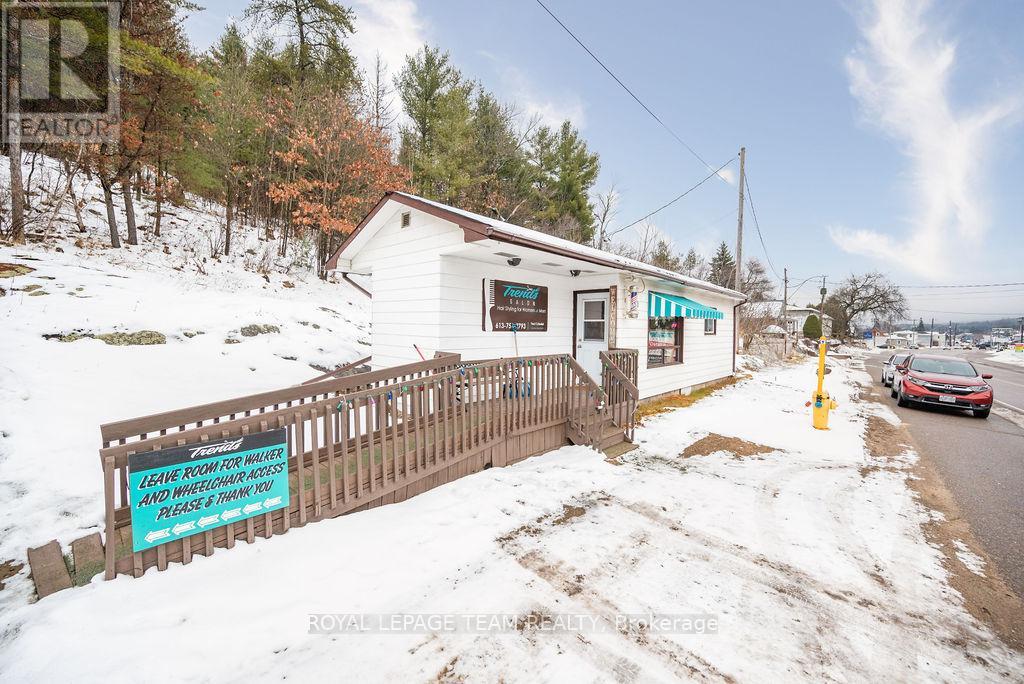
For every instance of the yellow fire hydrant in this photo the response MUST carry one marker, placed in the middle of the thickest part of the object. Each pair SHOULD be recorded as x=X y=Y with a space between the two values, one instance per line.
x=821 y=401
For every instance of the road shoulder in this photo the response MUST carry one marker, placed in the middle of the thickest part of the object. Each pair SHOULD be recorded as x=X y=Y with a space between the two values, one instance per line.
x=986 y=596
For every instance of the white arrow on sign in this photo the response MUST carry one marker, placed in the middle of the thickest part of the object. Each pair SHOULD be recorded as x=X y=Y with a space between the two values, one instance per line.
x=184 y=527
x=209 y=520
x=158 y=534
x=249 y=508
x=267 y=503
x=228 y=515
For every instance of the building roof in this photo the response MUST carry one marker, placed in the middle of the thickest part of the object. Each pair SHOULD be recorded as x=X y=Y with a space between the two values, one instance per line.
x=479 y=227
x=804 y=309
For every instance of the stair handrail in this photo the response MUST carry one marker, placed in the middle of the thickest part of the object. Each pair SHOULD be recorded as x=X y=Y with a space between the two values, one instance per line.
x=613 y=377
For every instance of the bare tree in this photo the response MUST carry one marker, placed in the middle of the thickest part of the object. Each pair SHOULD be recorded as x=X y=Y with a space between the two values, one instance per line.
x=377 y=94
x=14 y=142
x=868 y=295
x=649 y=237
x=607 y=209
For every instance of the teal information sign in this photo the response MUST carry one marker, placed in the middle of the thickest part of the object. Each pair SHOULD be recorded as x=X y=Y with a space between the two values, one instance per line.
x=195 y=488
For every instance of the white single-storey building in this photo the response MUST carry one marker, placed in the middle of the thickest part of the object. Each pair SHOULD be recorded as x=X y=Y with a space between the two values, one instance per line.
x=444 y=279
x=796 y=316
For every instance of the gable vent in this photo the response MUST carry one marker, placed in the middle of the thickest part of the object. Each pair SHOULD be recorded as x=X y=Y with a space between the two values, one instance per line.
x=406 y=218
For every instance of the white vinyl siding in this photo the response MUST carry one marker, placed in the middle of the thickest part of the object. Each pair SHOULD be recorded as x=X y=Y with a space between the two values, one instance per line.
x=705 y=357
x=424 y=295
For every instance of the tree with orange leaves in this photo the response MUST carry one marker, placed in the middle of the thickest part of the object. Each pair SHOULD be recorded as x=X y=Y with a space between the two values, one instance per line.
x=336 y=167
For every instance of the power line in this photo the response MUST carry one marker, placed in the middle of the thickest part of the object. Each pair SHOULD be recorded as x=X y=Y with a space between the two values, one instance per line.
x=960 y=295
x=960 y=286
x=966 y=313
x=713 y=173
x=627 y=89
x=757 y=225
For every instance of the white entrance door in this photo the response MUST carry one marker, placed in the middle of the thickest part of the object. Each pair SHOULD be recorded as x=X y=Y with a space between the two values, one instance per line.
x=591 y=330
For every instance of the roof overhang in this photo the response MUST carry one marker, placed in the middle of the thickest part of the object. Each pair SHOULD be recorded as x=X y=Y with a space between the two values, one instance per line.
x=474 y=230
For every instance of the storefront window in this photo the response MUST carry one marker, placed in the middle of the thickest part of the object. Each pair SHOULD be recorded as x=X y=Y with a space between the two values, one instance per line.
x=664 y=341
x=710 y=326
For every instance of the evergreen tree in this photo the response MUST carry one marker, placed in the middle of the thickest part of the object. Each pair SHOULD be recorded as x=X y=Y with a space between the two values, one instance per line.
x=723 y=267
x=317 y=28
x=567 y=170
x=812 y=327
x=234 y=122
x=690 y=263
x=503 y=178
x=438 y=147
x=920 y=326
x=662 y=257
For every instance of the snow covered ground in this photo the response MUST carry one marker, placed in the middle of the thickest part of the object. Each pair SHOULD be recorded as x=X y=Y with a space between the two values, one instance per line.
x=55 y=394
x=800 y=561
x=1008 y=356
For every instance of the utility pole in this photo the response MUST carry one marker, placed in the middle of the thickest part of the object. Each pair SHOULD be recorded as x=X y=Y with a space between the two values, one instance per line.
x=931 y=334
x=785 y=321
x=1021 y=321
x=821 y=309
x=739 y=222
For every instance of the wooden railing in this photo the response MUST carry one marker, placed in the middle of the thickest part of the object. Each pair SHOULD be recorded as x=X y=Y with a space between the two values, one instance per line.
x=360 y=441
x=627 y=361
x=179 y=420
x=621 y=391
x=586 y=413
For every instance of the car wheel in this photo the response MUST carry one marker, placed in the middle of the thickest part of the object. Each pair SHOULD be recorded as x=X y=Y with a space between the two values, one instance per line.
x=981 y=413
x=892 y=391
x=900 y=400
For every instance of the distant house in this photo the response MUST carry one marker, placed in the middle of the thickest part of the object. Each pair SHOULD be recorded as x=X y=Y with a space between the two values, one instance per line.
x=796 y=316
x=903 y=339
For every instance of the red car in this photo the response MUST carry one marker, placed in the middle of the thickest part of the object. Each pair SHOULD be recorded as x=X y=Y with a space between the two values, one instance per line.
x=943 y=381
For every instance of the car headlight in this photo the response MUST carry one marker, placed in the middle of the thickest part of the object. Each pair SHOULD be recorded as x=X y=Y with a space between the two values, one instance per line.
x=914 y=381
x=980 y=388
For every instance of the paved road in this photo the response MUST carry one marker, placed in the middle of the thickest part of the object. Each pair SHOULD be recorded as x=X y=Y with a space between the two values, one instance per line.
x=981 y=463
x=1008 y=381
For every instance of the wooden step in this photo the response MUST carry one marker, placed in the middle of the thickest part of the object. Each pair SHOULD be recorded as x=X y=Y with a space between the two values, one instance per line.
x=610 y=437
x=612 y=453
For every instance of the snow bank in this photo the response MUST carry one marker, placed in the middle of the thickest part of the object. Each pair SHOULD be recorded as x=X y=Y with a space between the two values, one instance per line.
x=1008 y=356
x=813 y=567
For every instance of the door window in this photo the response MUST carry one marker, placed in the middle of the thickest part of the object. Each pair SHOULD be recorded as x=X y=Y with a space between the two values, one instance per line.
x=593 y=321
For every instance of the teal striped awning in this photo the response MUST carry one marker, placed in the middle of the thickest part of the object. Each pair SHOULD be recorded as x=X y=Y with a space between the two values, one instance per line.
x=661 y=305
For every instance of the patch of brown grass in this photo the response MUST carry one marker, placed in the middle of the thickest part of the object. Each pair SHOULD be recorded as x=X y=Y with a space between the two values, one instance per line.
x=568 y=513
x=9 y=569
x=653 y=408
x=885 y=440
x=714 y=443
x=14 y=270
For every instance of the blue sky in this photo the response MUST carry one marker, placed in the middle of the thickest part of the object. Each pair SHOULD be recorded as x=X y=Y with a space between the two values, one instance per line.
x=878 y=137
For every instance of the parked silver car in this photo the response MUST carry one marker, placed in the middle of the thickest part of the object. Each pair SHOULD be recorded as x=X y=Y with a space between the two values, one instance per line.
x=889 y=369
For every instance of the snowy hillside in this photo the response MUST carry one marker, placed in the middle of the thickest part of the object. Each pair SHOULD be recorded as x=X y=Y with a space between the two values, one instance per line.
x=62 y=373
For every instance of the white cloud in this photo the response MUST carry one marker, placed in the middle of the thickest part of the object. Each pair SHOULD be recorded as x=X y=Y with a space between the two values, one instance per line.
x=728 y=176
x=393 y=28
x=900 y=74
x=551 y=110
